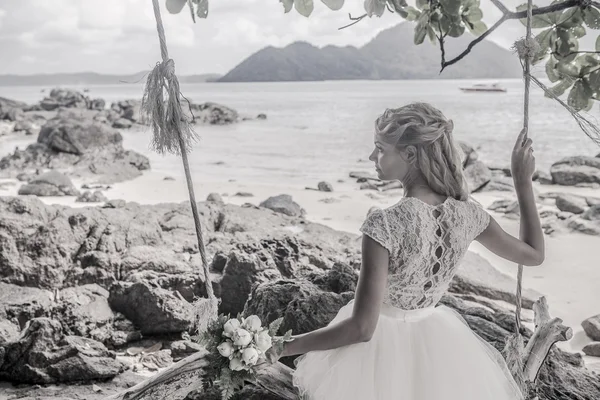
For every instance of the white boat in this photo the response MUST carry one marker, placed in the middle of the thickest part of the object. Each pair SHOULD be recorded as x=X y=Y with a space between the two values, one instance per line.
x=494 y=87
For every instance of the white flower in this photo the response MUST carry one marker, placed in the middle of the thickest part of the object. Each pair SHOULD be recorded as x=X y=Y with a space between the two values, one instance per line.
x=252 y=323
x=230 y=326
x=250 y=356
x=236 y=364
x=226 y=348
x=263 y=341
x=242 y=337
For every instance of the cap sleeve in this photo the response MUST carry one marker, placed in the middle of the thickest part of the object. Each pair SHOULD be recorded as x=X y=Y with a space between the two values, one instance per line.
x=377 y=228
x=480 y=219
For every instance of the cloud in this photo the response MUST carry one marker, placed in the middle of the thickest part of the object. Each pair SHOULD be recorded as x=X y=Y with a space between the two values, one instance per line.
x=119 y=36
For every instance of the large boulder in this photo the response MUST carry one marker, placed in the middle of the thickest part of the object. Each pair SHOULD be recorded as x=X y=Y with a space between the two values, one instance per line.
x=469 y=154
x=128 y=110
x=212 y=113
x=571 y=171
x=571 y=203
x=8 y=108
x=283 y=204
x=76 y=145
x=477 y=175
x=51 y=183
x=591 y=326
x=153 y=310
x=44 y=354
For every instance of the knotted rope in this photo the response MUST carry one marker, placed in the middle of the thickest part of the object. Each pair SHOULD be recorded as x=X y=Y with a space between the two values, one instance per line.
x=173 y=133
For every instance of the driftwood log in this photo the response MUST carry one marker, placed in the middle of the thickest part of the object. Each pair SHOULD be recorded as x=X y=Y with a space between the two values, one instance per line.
x=177 y=381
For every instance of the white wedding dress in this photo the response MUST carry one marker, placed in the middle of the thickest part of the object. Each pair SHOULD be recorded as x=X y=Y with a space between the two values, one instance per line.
x=420 y=350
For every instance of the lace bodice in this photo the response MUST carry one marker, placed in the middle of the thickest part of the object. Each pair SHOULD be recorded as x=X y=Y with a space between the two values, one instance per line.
x=426 y=244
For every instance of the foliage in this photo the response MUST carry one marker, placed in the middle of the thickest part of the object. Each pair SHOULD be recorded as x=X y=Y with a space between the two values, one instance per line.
x=558 y=30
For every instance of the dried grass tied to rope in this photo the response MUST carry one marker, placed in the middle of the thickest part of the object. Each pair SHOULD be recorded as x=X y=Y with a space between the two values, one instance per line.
x=161 y=109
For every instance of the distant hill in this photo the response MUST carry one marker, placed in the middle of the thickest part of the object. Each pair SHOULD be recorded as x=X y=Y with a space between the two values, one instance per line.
x=90 y=78
x=390 y=55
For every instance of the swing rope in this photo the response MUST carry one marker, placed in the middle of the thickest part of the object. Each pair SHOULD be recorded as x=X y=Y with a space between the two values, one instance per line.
x=173 y=133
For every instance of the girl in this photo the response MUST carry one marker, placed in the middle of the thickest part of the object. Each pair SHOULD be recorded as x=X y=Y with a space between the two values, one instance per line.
x=392 y=341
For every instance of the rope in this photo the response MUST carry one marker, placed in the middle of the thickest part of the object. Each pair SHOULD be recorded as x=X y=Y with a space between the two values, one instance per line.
x=527 y=53
x=164 y=133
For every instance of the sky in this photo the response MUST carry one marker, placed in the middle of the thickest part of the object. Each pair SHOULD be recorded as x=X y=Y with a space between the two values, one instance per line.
x=119 y=36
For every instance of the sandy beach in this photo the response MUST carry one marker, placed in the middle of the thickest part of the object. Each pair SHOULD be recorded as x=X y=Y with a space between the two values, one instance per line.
x=569 y=276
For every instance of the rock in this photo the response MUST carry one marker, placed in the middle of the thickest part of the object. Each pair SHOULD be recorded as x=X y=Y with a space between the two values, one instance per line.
x=283 y=204
x=583 y=226
x=469 y=155
x=9 y=332
x=571 y=171
x=339 y=279
x=89 y=197
x=477 y=175
x=303 y=305
x=84 y=311
x=545 y=178
x=240 y=274
x=97 y=104
x=79 y=147
x=325 y=187
x=592 y=213
x=243 y=194
x=128 y=109
x=592 y=349
x=43 y=354
x=183 y=348
x=51 y=183
x=592 y=201
x=122 y=123
x=509 y=207
x=107 y=117
x=7 y=105
x=153 y=310
x=168 y=178
x=212 y=113
x=591 y=326
x=369 y=186
x=19 y=304
x=215 y=197
x=261 y=116
x=115 y=203
x=571 y=203
x=499 y=184
x=64 y=98
x=156 y=360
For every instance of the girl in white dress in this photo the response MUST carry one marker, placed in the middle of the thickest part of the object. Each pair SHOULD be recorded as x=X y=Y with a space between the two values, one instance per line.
x=393 y=341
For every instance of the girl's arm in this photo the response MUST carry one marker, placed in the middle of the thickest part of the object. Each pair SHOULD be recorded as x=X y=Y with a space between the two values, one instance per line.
x=367 y=304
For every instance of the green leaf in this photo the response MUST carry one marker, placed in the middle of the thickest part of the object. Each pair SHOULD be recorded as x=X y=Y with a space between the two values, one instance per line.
x=578 y=31
x=287 y=5
x=374 y=7
x=451 y=7
x=304 y=7
x=413 y=13
x=593 y=80
x=473 y=14
x=201 y=8
x=175 y=6
x=274 y=326
x=560 y=88
x=591 y=16
x=456 y=30
x=538 y=21
x=420 y=32
x=421 y=4
x=431 y=34
x=568 y=69
x=398 y=4
x=570 y=18
x=579 y=95
x=587 y=63
x=551 y=71
x=333 y=4
x=288 y=336
x=478 y=28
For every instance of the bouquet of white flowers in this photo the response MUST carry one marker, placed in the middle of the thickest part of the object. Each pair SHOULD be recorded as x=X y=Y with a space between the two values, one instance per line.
x=237 y=346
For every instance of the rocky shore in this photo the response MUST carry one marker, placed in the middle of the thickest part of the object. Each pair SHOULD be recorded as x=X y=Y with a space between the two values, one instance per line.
x=94 y=299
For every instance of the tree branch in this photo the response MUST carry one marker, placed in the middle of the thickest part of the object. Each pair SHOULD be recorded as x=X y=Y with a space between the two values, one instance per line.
x=355 y=19
x=506 y=15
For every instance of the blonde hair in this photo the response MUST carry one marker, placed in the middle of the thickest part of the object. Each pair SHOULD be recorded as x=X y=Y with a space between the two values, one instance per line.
x=438 y=159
